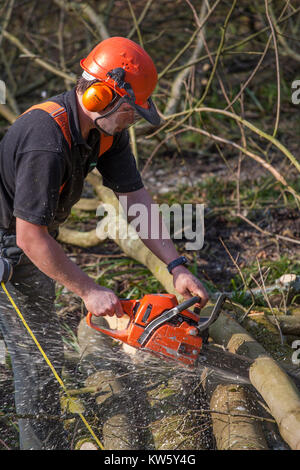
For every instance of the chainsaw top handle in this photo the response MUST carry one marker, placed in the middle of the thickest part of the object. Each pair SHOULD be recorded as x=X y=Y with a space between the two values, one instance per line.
x=188 y=303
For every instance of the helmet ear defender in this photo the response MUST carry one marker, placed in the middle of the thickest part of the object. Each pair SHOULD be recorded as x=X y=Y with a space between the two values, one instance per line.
x=97 y=97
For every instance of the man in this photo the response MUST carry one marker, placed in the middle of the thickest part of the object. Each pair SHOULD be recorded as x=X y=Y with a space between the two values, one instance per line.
x=44 y=159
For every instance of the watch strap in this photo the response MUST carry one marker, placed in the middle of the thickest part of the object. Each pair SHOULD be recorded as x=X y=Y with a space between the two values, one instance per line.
x=177 y=262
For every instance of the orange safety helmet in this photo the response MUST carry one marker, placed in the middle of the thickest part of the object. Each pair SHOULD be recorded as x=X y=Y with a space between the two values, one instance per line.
x=124 y=67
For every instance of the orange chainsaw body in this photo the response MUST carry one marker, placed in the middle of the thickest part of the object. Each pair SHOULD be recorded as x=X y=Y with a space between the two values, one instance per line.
x=156 y=326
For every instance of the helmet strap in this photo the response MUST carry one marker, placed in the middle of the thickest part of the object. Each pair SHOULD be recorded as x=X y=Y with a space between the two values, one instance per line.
x=118 y=76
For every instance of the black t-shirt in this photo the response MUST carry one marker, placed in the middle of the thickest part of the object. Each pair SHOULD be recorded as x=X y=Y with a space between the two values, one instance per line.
x=36 y=160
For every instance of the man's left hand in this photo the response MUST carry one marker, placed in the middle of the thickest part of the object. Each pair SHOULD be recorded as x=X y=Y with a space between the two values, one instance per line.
x=188 y=285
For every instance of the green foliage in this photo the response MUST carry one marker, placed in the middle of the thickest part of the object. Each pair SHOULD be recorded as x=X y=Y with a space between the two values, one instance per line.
x=70 y=338
x=273 y=269
x=218 y=192
x=125 y=276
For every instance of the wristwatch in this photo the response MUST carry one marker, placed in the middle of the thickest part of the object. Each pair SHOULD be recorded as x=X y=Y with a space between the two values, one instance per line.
x=177 y=262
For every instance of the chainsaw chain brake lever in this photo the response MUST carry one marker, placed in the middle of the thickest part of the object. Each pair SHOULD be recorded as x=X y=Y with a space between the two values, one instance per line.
x=214 y=314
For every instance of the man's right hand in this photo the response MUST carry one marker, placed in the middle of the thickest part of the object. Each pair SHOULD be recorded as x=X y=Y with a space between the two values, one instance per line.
x=50 y=258
x=102 y=301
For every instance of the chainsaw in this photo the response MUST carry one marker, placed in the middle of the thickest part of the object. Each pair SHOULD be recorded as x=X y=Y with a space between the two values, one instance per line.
x=159 y=325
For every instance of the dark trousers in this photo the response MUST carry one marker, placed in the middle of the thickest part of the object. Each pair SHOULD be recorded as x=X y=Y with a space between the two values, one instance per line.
x=37 y=392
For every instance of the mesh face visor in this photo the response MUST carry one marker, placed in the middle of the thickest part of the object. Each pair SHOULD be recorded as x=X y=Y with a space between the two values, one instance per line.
x=114 y=116
x=149 y=112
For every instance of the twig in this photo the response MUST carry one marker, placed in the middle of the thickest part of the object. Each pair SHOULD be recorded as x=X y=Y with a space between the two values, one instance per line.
x=168 y=137
x=221 y=44
x=6 y=18
x=238 y=268
x=85 y=9
x=248 y=124
x=189 y=42
x=265 y=232
x=255 y=157
x=268 y=301
x=179 y=79
x=293 y=54
x=233 y=46
x=258 y=64
x=69 y=77
x=243 y=137
x=277 y=69
x=251 y=75
x=7 y=113
x=60 y=31
x=136 y=25
x=4 y=444
x=141 y=18
x=238 y=415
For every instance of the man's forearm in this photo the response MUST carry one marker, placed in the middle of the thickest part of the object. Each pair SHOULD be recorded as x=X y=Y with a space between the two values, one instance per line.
x=50 y=258
x=154 y=232
x=156 y=237
x=164 y=249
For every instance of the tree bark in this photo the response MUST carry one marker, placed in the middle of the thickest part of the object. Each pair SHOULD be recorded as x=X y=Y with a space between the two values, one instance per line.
x=77 y=238
x=233 y=428
x=281 y=396
x=266 y=376
x=289 y=325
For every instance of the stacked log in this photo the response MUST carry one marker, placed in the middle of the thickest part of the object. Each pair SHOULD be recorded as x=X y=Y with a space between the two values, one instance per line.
x=268 y=378
x=234 y=429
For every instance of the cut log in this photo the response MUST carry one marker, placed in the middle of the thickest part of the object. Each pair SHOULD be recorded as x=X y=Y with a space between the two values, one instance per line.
x=228 y=332
x=233 y=427
x=281 y=396
x=148 y=405
x=289 y=325
x=100 y=364
x=266 y=376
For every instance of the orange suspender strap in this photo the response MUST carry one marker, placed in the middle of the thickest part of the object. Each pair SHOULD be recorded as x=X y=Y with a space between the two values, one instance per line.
x=105 y=143
x=59 y=114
